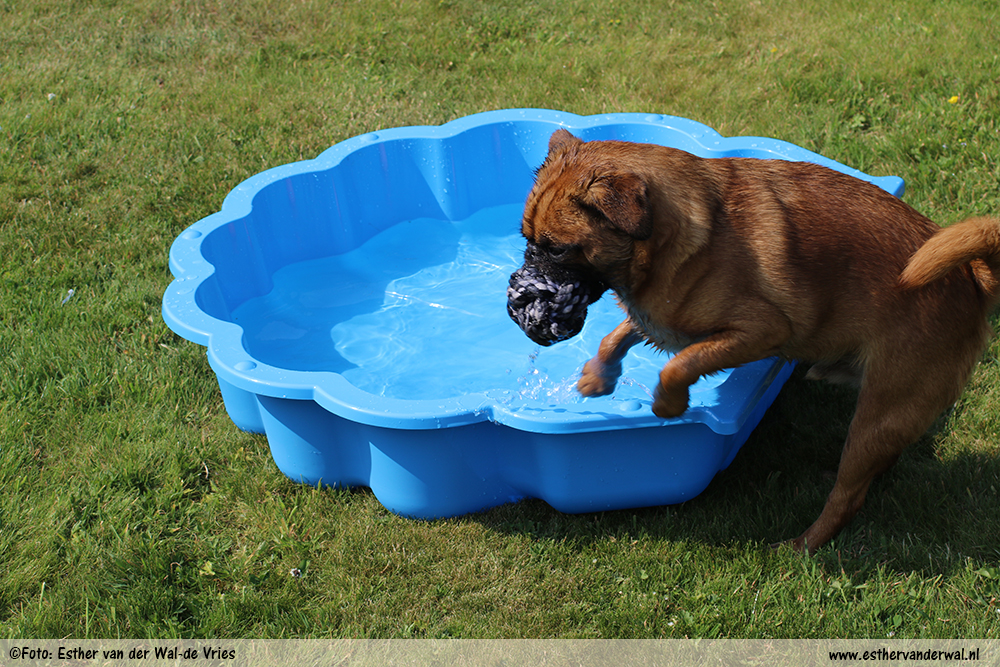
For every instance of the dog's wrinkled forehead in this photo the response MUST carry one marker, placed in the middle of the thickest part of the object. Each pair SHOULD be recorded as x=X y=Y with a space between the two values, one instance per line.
x=557 y=181
x=549 y=220
x=578 y=190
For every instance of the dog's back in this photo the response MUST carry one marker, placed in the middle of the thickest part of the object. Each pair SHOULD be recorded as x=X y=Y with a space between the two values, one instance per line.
x=841 y=258
x=877 y=289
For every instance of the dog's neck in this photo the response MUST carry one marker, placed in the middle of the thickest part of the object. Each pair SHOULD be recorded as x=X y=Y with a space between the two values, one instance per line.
x=662 y=337
x=669 y=257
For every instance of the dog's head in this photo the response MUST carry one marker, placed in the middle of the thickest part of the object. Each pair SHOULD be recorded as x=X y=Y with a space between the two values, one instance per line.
x=581 y=220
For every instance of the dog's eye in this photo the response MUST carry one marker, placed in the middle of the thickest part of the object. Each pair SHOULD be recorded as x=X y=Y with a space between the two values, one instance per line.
x=558 y=252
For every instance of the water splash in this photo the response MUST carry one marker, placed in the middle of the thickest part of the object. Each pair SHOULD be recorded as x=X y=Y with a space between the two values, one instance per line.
x=536 y=385
x=626 y=381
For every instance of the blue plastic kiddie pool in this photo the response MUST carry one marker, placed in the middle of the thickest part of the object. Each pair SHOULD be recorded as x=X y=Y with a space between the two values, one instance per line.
x=354 y=310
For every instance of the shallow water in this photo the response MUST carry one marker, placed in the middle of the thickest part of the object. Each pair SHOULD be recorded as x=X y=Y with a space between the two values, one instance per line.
x=419 y=311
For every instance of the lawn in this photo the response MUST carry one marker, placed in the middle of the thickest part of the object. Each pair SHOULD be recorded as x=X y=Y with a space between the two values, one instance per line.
x=131 y=505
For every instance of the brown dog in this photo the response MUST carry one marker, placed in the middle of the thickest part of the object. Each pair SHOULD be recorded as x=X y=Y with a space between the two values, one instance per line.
x=728 y=261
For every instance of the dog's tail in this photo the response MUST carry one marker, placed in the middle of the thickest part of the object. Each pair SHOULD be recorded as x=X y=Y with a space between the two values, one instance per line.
x=954 y=246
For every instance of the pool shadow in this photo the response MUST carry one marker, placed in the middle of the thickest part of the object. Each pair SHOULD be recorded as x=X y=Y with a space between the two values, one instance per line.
x=927 y=514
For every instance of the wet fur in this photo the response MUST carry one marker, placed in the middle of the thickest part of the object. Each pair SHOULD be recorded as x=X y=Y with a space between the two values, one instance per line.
x=735 y=260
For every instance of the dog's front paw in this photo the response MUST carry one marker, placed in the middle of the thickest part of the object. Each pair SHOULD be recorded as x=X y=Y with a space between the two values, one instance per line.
x=672 y=403
x=597 y=379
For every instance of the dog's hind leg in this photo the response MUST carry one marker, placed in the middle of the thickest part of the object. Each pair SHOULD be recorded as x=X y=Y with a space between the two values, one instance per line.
x=896 y=405
x=600 y=374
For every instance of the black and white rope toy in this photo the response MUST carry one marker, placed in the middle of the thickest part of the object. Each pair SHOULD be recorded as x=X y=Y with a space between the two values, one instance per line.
x=548 y=311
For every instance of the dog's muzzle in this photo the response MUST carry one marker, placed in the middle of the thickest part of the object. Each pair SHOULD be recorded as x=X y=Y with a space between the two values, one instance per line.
x=549 y=303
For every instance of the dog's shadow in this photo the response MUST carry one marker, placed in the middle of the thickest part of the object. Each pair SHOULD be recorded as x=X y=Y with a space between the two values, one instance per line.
x=938 y=506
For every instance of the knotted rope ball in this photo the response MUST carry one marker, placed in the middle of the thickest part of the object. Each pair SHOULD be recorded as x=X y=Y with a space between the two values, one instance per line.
x=547 y=310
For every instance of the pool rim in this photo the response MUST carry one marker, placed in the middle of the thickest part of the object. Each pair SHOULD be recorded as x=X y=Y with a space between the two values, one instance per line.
x=233 y=364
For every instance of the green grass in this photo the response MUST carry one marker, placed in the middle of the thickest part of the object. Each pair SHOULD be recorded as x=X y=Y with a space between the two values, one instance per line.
x=132 y=506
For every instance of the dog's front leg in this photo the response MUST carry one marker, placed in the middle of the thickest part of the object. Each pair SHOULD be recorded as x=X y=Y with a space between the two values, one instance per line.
x=722 y=350
x=600 y=374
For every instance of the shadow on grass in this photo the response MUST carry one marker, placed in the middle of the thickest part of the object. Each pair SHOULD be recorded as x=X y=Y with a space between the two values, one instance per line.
x=927 y=514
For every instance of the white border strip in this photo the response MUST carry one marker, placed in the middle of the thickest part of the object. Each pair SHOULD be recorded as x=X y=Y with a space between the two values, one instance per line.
x=509 y=653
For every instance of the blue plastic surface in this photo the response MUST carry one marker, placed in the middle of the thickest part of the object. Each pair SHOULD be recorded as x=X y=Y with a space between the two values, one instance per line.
x=354 y=310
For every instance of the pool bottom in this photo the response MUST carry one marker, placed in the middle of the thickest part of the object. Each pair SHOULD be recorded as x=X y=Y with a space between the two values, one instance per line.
x=419 y=312
x=437 y=473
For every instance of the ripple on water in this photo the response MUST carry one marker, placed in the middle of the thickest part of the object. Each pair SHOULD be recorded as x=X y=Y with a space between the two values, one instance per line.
x=419 y=311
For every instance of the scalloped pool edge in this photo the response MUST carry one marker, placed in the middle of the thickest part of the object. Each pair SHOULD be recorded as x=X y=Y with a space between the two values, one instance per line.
x=237 y=371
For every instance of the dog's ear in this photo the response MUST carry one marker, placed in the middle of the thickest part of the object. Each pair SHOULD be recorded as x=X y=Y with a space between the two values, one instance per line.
x=622 y=199
x=561 y=139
